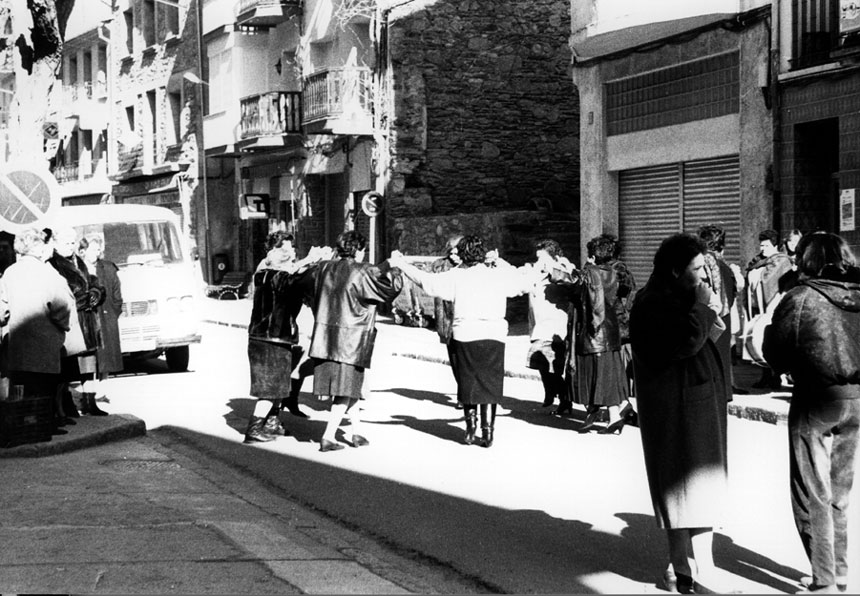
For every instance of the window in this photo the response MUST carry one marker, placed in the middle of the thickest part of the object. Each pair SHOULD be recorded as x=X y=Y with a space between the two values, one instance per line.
x=220 y=74
x=148 y=24
x=152 y=143
x=129 y=30
x=175 y=102
x=171 y=16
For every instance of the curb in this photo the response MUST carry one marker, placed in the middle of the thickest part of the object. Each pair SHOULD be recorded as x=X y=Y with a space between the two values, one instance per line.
x=119 y=427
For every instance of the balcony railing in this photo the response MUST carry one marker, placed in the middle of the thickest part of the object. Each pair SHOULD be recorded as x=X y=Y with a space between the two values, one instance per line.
x=328 y=93
x=273 y=113
x=85 y=90
x=66 y=173
x=815 y=32
x=265 y=13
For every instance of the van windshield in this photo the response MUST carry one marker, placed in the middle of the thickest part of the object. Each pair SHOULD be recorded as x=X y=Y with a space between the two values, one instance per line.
x=139 y=243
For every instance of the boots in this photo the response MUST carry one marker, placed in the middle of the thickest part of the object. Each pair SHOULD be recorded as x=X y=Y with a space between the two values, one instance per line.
x=471 y=424
x=256 y=432
x=69 y=408
x=91 y=408
x=273 y=426
x=488 y=423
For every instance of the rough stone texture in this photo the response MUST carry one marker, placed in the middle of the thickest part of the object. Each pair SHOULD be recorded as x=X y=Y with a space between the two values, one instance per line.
x=484 y=120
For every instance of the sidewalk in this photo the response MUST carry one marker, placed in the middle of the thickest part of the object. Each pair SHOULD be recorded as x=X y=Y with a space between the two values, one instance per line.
x=423 y=344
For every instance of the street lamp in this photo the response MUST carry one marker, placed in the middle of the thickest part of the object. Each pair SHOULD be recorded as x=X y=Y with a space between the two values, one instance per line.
x=193 y=78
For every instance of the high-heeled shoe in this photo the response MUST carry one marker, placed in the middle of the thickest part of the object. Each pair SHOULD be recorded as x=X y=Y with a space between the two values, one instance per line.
x=629 y=415
x=613 y=428
x=589 y=421
x=326 y=445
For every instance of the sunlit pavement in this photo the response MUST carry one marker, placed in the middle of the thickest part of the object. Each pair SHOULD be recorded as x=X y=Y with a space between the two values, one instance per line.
x=550 y=510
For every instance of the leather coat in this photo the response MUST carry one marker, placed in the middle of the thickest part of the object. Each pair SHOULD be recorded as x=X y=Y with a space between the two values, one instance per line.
x=598 y=330
x=815 y=335
x=277 y=302
x=345 y=295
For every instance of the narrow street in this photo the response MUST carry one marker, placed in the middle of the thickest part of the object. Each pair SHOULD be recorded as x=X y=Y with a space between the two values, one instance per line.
x=545 y=510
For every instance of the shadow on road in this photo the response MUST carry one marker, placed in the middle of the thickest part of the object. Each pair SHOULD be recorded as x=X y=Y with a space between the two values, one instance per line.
x=514 y=551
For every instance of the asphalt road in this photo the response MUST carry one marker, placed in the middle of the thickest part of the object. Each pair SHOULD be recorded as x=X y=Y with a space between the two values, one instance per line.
x=545 y=510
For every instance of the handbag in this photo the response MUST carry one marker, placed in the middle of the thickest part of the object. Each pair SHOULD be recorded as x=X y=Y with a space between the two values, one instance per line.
x=74 y=342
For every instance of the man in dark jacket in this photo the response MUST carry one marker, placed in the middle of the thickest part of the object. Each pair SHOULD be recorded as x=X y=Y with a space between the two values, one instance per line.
x=815 y=335
x=345 y=294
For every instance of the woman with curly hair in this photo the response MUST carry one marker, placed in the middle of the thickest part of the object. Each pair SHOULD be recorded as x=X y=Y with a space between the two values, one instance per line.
x=478 y=288
x=599 y=377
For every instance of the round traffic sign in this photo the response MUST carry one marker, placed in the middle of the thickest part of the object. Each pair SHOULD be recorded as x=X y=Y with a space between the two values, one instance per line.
x=27 y=196
x=371 y=204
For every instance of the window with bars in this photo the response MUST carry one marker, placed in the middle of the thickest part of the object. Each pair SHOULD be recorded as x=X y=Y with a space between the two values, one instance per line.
x=696 y=90
x=815 y=31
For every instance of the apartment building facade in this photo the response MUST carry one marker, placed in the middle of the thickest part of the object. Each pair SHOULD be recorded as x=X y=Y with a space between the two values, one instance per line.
x=677 y=122
x=818 y=115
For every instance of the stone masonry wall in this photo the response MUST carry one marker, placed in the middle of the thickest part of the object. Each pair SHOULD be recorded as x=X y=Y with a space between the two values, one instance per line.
x=485 y=117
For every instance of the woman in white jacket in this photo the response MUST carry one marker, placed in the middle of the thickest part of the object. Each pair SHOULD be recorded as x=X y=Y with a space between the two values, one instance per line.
x=478 y=288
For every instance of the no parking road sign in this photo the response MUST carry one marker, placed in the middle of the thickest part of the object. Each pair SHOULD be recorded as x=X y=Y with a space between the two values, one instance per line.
x=27 y=196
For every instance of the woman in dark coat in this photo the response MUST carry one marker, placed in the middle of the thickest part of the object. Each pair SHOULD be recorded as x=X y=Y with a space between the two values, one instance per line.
x=345 y=293
x=89 y=295
x=815 y=335
x=600 y=378
x=682 y=399
x=109 y=356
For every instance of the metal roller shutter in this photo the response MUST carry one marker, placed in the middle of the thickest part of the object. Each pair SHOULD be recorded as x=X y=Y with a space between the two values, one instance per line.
x=658 y=201
x=712 y=191
x=648 y=203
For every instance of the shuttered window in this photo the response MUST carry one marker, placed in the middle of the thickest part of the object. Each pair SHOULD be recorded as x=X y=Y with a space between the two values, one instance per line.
x=656 y=202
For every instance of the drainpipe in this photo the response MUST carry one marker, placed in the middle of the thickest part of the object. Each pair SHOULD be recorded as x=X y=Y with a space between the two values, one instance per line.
x=775 y=57
x=201 y=148
x=110 y=141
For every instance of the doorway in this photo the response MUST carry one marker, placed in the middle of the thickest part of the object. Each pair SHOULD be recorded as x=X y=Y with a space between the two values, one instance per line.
x=816 y=170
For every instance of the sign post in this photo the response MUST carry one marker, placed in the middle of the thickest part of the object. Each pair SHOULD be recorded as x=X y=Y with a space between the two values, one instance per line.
x=371 y=204
x=27 y=197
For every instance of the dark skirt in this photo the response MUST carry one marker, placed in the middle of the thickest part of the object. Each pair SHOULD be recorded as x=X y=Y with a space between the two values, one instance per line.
x=271 y=365
x=479 y=367
x=337 y=379
x=600 y=379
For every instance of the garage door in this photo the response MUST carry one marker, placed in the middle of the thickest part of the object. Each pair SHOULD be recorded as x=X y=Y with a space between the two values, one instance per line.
x=658 y=201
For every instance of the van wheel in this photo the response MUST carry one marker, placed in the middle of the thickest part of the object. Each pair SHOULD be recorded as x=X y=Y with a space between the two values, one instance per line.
x=177 y=358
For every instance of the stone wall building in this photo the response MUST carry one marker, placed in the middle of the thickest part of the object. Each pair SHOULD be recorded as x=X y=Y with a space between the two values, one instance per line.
x=481 y=135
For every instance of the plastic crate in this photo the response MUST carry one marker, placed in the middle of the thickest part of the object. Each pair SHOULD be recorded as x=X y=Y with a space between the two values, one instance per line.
x=25 y=421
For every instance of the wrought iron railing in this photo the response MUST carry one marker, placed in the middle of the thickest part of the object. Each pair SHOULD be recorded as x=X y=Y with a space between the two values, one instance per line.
x=273 y=113
x=815 y=32
x=328 y=93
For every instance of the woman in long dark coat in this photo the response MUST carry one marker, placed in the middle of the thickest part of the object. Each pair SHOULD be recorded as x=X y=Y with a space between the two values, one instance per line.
x=109 y=356
x=682 y=398
x=89 y=295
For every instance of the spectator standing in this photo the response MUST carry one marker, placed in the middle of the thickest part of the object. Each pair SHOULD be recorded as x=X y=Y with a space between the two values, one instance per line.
x=623 y=303
x=764 y=278
x=681 y=397
x=345 y=294
x=40 y=305
x=548 y=306
x=80 y=362
x=7 y=250
x=600 y=378
x=478 y=289
x=722 y=279
x=273 y=334
x=815 y=335
x=109 y=355
x=789 y=245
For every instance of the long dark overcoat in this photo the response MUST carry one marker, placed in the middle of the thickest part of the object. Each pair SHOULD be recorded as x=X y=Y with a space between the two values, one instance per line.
x=110 y=354
x=682 y=401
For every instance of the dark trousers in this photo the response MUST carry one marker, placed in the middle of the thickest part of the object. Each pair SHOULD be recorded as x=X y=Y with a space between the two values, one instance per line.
x=822 y=446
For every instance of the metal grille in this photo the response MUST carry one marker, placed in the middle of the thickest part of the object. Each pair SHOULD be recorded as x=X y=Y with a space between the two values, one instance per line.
x=815 y=27
x=712 y=196
x=649 y=200
x=693 y=91
x=136 y=309
x=658 y=201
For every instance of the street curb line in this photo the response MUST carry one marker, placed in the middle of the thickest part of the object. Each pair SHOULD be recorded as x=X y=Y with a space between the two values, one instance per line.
x=131 y=426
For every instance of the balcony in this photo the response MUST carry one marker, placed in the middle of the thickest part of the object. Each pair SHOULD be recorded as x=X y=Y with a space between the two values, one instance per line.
x=335 y=92
x=266 y=13
x=270 y=114
x=815 y=32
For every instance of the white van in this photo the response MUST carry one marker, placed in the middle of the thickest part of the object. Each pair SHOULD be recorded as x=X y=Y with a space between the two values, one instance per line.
x=161 y=286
